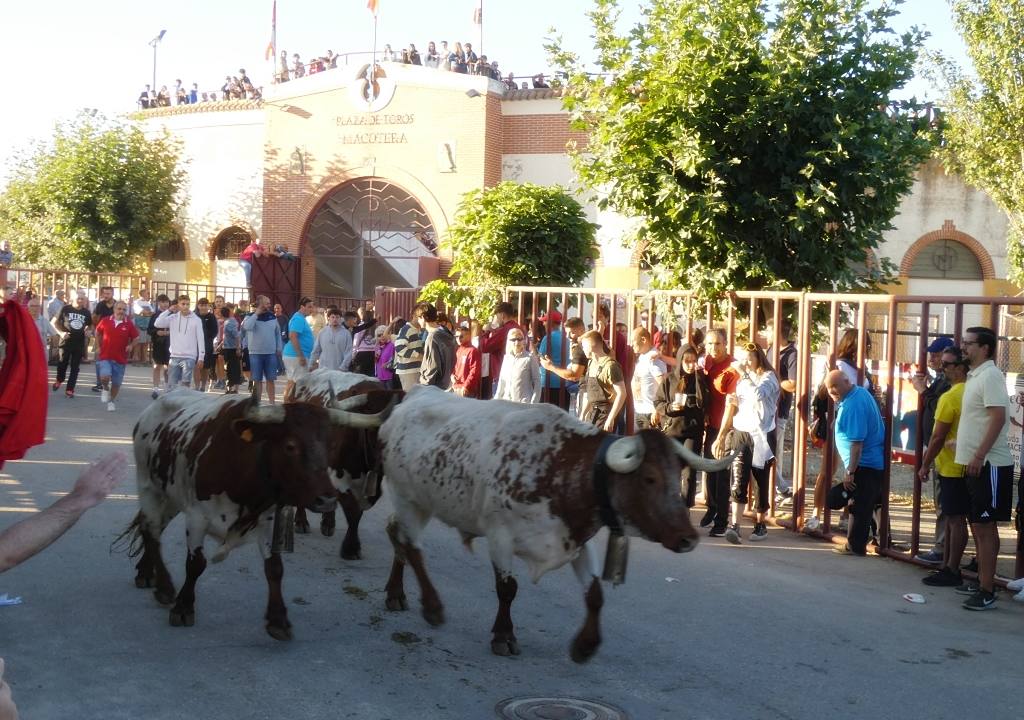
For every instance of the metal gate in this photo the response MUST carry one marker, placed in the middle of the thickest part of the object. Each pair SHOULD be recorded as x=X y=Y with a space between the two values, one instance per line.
x=279 y=279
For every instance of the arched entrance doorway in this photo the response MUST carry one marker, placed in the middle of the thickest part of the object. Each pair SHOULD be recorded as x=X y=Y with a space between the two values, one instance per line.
x=224 y=252
x=370 y=232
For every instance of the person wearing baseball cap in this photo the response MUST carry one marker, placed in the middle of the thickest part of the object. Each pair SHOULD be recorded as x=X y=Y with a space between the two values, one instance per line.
x=931 y=384
x=551 y=346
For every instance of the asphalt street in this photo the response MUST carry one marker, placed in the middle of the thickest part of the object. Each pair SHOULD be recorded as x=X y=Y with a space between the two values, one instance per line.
x=781 y=629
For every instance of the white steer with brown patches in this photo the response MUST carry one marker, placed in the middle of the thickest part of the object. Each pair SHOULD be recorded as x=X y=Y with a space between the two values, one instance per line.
x=537 y=483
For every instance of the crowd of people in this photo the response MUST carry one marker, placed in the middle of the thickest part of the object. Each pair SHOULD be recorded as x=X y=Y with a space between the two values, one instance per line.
x=235 y=87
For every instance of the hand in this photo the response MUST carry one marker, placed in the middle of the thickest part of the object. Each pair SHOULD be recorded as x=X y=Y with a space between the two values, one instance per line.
x=924 y=475
x=609 y=425
x=676 y=407
x=199 y=364
x=716 y=449
x=973 y=468
x=97 y=480
x=848 y=482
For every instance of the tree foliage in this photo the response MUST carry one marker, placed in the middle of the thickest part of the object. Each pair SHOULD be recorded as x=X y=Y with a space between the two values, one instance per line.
x=514 y=234
x=98 y=197
x=753 y=146
x=984 y=121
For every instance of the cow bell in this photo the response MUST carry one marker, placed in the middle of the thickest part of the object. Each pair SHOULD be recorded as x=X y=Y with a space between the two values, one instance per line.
x=371 y=488
x=616 y=557
x=284 y=530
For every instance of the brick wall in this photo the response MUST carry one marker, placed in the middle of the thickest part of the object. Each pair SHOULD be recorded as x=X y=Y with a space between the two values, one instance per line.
x=529 y=134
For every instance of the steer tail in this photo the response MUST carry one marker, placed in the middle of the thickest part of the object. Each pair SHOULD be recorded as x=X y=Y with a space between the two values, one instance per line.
x=130 y=540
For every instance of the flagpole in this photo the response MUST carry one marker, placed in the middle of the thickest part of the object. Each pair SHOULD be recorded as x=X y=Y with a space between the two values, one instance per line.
x=481 y=45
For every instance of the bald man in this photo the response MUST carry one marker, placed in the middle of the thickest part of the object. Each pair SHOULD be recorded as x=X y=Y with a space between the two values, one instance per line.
x=860 y=442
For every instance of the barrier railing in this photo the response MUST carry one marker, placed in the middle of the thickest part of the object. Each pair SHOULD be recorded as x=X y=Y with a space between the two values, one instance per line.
x=899 y=327
x=195 y=291
x=45 y=282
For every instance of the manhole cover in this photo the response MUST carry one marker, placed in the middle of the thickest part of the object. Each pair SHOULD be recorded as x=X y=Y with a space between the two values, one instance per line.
x=552 y=708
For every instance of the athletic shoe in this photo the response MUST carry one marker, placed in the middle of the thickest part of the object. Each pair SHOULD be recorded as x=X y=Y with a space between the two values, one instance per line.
x=943 y=578
x=760 y=533
x=155 y=394
x=972 y=566
x=968 y=587
x=105 y=396
x=1015 y=585
x=69 y=394
x=812 y=524
x=717 y=531
x=1019 y=597
x=931 y=557
x=784 y=500
x=55 y=387
x=111 y=407
x=732 y=534
x=708 y=519
x=219 y=385
x=981 y=600
x=97 y=388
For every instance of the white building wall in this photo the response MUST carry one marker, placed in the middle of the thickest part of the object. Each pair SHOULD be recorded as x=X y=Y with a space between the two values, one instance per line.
x=223 y=153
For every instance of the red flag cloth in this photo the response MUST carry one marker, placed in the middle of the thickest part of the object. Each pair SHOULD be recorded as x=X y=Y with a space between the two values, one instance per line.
x=371 y=5
x=23 y=381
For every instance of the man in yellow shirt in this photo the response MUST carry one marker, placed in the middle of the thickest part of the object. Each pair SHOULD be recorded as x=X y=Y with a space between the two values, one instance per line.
x=953 y=496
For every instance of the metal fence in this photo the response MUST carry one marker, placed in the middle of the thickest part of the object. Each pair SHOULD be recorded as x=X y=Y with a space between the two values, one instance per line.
x=45 y=283
x=195 y=291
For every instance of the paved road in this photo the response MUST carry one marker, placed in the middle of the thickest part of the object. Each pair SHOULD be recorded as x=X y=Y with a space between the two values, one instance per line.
x=781 y=630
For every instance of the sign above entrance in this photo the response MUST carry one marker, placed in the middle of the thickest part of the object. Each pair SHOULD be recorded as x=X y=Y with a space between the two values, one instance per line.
x=371 y=88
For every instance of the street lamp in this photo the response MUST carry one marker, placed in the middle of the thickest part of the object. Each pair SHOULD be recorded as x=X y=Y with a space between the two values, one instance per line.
x=153 y=43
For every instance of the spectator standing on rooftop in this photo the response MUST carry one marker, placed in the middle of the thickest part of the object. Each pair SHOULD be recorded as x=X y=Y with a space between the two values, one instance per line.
x=458 y=59
x=388 y=55
x=510 y=82
x=144 y=98
x=539 y=82
x=471 y=58
x=193 y=95
x=298 y=69
x=432 y=59
x=181 y=97
x=982 y=448
x=444 y=57
x=930 y=385
x=860 y=440
x=414 y=55
x=332 y=60
x=282 y=67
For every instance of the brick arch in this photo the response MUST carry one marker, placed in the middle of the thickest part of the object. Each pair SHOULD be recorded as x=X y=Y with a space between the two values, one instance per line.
x=949 y=232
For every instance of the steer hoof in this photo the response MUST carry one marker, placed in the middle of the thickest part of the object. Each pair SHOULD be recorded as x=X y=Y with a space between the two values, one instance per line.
x=164 y=597
x=583 y=648
x=396 y=603
x=326 y=530
x=352 y=551
x=182 y=618
x=434 y=616
x=142 y=582
x=301 y=527
x=279 y=632
x=505 y=646
x=327 y=524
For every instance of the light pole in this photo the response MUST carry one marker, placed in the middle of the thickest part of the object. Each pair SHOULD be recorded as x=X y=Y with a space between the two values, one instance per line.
x=153 y=43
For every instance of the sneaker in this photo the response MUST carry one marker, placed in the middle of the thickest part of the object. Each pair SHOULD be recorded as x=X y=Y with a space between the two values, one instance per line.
x=56 y=386
x=97 y=388
x=732 y=534
x=981 y=600
x=1015 y=585
x=787 y=493
x=69 y=394
x=972 y=566
x=968 y=587
x=1019 y=597
x=219 y=385
x=708 y=519
x=943 y=578
x=931 y=557
x=760 y=533
x=784 y=500
x=812 y=524
x=111 y=407
x=105 y=396
x=155 y=394
x=717 y=531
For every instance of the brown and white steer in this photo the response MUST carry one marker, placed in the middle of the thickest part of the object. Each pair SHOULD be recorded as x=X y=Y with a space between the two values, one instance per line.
x=228 y=465
x=537 y=483
x=355 y=457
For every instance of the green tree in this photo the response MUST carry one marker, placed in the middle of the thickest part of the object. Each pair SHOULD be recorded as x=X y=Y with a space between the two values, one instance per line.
x=984 y=121
x=755 y=148
x=97 y=197
x=514 y=234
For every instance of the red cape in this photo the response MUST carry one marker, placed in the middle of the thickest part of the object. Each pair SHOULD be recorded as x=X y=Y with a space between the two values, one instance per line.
x=23 y=380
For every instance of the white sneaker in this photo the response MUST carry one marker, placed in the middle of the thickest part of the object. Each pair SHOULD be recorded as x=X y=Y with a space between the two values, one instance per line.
x=111 y=407
x=105 y=396
x=1015 y=585
x=812 y=524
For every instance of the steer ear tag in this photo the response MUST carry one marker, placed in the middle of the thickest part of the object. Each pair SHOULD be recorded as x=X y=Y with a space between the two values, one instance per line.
x=284 y=530
x=615 y=559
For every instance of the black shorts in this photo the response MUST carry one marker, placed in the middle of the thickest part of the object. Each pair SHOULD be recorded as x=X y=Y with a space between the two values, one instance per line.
x=991 y=494
x=161 y=354
x=953 y=496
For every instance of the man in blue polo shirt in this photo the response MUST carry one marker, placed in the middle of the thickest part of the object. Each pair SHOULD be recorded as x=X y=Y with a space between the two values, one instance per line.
x=299 y=347
x=860 y=441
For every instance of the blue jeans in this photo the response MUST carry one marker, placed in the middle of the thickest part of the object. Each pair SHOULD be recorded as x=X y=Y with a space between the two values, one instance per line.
x=179 y=371
x=247 y=268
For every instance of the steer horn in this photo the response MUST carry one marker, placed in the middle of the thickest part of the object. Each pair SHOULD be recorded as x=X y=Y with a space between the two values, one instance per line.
x=356 y=420
x=269 y=414
x=625 y=454
x=699 y=462
x=350 y=403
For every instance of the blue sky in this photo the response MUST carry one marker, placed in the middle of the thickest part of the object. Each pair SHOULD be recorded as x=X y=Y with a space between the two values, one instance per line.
x=70 y=54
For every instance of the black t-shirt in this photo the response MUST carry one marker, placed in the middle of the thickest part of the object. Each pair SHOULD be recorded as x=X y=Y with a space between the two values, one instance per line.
x=787 y=371
x=74 y=321
x=209 y=322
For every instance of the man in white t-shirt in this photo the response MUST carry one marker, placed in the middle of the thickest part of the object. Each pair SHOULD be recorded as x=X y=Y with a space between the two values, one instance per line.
x=647 y=375
x=983 y=450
